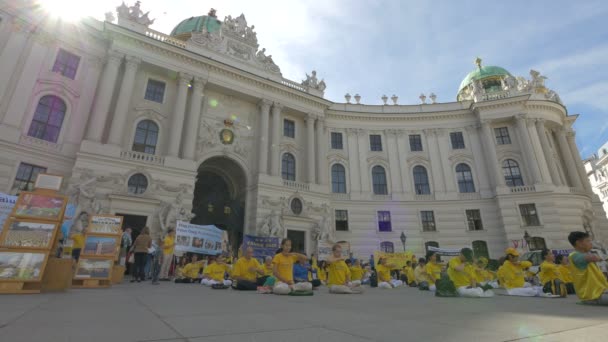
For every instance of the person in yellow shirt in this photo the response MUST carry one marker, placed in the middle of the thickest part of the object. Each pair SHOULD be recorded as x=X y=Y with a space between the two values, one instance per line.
x=423 y=279
x=215 y=273
x=283 y=270
x=462 y=273
x=190 y=273
x=168 y=248
x=385 y=281
x=179 y=270
x=483 y=276
x=565 y=275
x=338 y=279
x=511 y=275
x=321 y=270
x=356 y=272
x=549 y=275
x=407 y=274
x=247 y=272
x=77 y=244
x=433 y=269
x=589 y=281
x=267 y=266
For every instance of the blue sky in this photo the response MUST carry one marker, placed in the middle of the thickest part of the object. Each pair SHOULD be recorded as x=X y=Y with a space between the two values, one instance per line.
x=412 y=47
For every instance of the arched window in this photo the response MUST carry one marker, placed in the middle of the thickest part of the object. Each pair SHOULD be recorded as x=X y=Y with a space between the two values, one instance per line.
x=465 y=178
x=338 y=179
x=379 y=180
x=138 y=183
x=387 y=247
x=480 y=249
x=537 y=243
x=288 y=167
x=146 y=137
x=510 y=169
x=48 y=118
x=421 y=181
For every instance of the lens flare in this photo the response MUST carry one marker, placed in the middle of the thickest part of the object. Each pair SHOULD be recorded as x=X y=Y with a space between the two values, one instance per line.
x=213 y=103
x=68 y=10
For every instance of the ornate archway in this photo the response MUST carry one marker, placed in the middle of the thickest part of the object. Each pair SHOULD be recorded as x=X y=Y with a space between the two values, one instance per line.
x=219 y=197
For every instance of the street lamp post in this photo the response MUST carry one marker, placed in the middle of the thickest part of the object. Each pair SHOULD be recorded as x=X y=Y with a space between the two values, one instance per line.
x=527 y=239
x=403 y=239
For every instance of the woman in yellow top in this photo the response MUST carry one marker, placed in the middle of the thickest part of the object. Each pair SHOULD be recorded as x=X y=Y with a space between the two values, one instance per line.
x=338 y=279
x=422 y=278
x=283 y=270
x=433 y=269
x=549 y=274
x=407 y=274
x=321 y=269
x=77 y=244
x=190 y=273
x=483 y=276
x=179 y=270
x=385 y=281
x=215 y=273
x=565 y=275
x=589 y=281
x=511 y=275
x=462 y=273
x=356 y=272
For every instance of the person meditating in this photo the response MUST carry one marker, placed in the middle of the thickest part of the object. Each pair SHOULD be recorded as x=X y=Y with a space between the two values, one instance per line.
x=589 y=281
x=565 y=275
x=356 y=272
x=385 y=281
x=338 y=279
x=247 y=272
x=433 y=269
x=511 y=276
x=267 y=266
x=549 y=275
x=283 y=271
x=215 y=272
x=423 y=279
x=407 y=274
x=462 y=273
x=190 y=273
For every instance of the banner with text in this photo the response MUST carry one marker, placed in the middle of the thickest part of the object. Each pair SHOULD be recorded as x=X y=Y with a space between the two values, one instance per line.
x=396 y=259
x=444 y=251
x=263 y=246
x=199 y=239
x=324 y=250
x=7 y=202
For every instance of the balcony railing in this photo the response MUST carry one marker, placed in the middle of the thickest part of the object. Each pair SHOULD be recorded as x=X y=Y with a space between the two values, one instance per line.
x=142 y=157
x=165 y=38
x=526 y=188
x=296 y=185
x=294 y=85
x=496 y=95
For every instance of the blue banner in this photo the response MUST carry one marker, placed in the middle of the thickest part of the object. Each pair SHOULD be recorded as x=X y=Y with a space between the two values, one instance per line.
x=7 y=202
x=68 y=220
x=199 y=239
x=263 y=246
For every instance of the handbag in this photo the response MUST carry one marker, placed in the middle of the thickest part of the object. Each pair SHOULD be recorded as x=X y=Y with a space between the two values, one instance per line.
x=131 y=258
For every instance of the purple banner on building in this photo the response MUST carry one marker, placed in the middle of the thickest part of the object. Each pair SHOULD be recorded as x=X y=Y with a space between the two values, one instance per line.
x=263 y=246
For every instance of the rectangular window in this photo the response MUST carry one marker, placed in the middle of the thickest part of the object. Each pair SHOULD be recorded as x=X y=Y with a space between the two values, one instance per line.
x=529 y=215
x=428 y=221
x=336 y=141
x=66 y=64
x=415 y=142
x=341 y=220
x=155 y=91
x=375 y=142
x=289 y=128
x=502 y=136
x=384 y=221
x=26 y=177
x=474 y=219
x=457 y=140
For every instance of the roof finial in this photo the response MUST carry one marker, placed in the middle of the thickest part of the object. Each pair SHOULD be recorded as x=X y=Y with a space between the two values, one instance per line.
x=478 y=62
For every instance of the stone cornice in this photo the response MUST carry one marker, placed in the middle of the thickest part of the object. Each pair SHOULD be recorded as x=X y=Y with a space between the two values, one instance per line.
x=362 y=116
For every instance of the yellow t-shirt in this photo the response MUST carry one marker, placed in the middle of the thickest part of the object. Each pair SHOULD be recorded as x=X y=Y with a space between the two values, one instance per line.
x=384 y=273
x=460 y=278
x=242 y=266
x=589 y=282
x=192 y=270
x=267 y=270
x=512 y=276
x=215 y=271
x=548 y=272
x=284 y=266
x=356 y=273
x=434 y=271
x=78 y=240
x=408 y=271
x=565 y=275
x=168 y=245
x=321 y=274
x=338 y=272
x=421 y=275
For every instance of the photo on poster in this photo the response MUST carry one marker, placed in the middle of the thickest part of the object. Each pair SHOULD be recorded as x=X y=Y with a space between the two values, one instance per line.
x=197 y=242
x=29 y=234
x=100 y=246
x=94 y=269
x=21 y=266
x=31 y=205
x=48 y=182
x=182 y=241
x=105 y=225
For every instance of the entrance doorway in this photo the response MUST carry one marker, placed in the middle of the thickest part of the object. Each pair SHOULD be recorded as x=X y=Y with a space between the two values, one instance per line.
x=219 y=197
x=136 y=223
x=298 y=241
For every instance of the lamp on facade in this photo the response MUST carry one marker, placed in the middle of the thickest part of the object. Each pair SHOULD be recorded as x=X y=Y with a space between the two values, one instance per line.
x=403 y=239
x=527 y=239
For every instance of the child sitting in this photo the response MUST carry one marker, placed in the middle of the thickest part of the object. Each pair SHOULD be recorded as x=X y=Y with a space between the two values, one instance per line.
x=549 y=275
x=511 y=276
x=462 y=273
x=385 y=281
x=565 y=275
x=589 y=282
x=190 y=273
x=215 y=273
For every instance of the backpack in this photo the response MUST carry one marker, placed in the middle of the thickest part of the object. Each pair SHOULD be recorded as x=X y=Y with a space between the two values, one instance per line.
x=445 y=287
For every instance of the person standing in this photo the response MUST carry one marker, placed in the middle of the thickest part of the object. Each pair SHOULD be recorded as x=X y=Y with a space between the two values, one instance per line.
x=168 y=248
x=156 y=260
x=77 y=244
x=140 y=248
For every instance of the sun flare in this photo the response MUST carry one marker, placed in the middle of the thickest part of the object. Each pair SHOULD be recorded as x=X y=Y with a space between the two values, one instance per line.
x=68 y=10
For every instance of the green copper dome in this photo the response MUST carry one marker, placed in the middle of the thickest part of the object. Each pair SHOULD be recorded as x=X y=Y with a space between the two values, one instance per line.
x=481 y=73
x=184 y=29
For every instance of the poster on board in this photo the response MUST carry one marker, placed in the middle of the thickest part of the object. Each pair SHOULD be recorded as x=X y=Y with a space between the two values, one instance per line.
x=199 y=239
x=7 y=202
x=263 y=246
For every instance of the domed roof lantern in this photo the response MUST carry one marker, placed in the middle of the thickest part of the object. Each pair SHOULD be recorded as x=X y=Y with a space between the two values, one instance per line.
x=490 y=77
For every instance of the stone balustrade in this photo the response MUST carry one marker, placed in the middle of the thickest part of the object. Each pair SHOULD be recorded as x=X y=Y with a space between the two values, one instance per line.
x=296 y=185
x=165 y=38
x=142 y=157
x=525 y=188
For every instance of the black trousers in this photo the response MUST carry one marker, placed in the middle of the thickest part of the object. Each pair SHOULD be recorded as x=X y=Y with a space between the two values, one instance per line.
x=245 y=285
x=140 y=265
x=187 y=281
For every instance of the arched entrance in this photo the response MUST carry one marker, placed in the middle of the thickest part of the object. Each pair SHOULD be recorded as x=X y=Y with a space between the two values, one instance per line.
x=219 y=197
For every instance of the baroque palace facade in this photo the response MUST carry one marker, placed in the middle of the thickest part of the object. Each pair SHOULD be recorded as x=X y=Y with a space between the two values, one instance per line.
x=200 y=125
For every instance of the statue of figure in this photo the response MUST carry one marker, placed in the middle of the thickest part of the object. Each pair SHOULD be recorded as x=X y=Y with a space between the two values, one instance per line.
x=261 y=55
x=169 y=213
x=110 y=17
x=135 y=11
x=241 y=24
x=122 y=10
x=311 y=81
x=276 y=226
x=325 y=227
x=322 y=85
x=477 y=89
x=250 y=34
x=82 y=194
x=553 y=96
x=145 y=20
x=315 y=233
x=508 y=83
x=537 y=81
x=212 y=13
x=523 y=84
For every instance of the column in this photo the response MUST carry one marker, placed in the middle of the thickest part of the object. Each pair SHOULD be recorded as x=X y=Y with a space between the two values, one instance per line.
x=483 y=176
x=393 y=160
x=489 y=150
x=78 y=126
x=436 y=168
x=263 y=144
x=402 y=151
x=275 y=150
x=526 y=148
x=540 y=154
x=573 y=176
x=322 y=142
x=177 y=121
x=105 y=91
x=548 y=154
x=117 y=130
x=194 y=118
x=353 y=160
x=578 y=161
x=14 y=51
x=310 y=148
x=448 y=174
x=363 y=147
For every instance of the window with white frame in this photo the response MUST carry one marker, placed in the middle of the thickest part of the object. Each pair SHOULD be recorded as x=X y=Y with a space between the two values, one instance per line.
x=529 y=215
x=384 y=221
x=155 y=91
x=48 y=118
x=341 y=220
x=26 y=177
x=457 y=140
x=427 y=217
x=66 y=64
x=336 y=141
x=502 y=136
x=474 y=219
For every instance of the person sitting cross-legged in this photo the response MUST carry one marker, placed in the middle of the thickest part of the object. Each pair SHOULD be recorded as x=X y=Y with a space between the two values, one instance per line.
x=338 y=279
x=385 y=281
x=589 y=281
x=190 y=273
x=462 y=274
x=511 y=276
x=248 y=273
x=215 y=273
x=549 y=275
x=302 y=273
x=356 y=272
x=407 y=274
x=423 y=279
x=283 y=270
x=433 y=269
x=565 y=275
